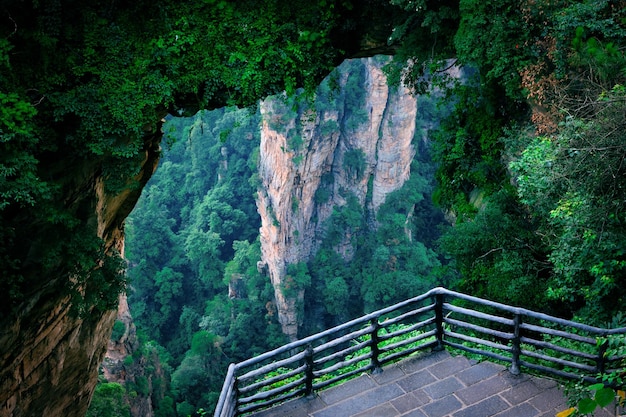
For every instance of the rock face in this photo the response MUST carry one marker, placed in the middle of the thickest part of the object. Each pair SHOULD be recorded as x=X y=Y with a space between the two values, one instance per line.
x=49 y=358
x=117 y=367
x=312 y=159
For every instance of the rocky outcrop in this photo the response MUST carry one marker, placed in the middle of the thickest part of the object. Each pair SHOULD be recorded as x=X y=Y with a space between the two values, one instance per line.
x=123 y=365
x=49 y=357
x=313 y=159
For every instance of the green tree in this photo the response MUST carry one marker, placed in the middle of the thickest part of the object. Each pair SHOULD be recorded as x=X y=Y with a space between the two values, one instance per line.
x=108 y=401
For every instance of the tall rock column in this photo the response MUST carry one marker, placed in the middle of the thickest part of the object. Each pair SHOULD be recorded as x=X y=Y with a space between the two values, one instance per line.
x=290 y=177
x=299 y=148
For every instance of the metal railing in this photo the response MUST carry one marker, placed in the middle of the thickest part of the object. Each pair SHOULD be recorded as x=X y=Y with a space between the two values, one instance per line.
x=521 y=337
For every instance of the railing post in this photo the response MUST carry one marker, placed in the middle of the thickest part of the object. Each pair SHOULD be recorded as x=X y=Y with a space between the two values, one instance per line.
x=235 y=404
x=227 y=402
x=516 y=347
x=376 y=368
x=439 y=300
x=308 y=372
x=601 y=358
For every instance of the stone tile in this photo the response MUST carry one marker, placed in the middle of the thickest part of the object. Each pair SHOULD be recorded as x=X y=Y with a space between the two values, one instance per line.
x=521 y=392
x=442 y=388
x=482 y=370
x=416 y=381
x=549 y=399
x=609 y=411
x=359 y=403
x=347 y=389
x=410 y=401
x=481 y=390
x=514 y=380
x=299 y=406
x=442 y=407
x=521 y=410
x=423 y=361
x=384 y=410
x=545 y=383
x=389 y=374
x=451 y=366
x=415 y=413
x=488 y=407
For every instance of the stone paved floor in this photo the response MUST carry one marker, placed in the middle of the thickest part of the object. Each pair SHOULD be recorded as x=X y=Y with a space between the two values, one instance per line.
x=434 y=385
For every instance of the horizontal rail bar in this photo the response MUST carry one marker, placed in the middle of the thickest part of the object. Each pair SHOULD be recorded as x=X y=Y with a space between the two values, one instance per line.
x=269 y=403
x=408 y=329
x=557 y=348
x=272 y=366
x=481 y=329
x=559 y=361
x=343 y=339
x=342 y=364
x=557 y=372
x=407 y=315
x=409 y=341
x=322 y=384
x=478 y=314
x=342 y=353
x=555 y=332
x=407 y=352
x=270 y=381
x=479 y=341
x=478 y=351
x=263 y=395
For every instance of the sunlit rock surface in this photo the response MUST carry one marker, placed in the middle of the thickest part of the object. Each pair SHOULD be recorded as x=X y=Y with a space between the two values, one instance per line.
x=305 y=151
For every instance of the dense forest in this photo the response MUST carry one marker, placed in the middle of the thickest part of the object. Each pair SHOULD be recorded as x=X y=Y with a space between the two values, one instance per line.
x=197 y=224
x=529 y=166
x=528 y=163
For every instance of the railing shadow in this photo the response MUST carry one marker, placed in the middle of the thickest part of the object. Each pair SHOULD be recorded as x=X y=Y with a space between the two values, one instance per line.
x=520 y=337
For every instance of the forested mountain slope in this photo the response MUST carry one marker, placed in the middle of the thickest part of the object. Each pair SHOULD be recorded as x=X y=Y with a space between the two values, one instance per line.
x=531 y=161
x=334 y=191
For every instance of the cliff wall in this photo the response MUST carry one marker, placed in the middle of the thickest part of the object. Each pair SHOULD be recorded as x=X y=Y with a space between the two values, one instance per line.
x=50 y=356
x=313 y=158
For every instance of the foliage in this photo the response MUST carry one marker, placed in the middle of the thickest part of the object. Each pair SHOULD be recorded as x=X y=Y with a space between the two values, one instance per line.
x=424 y=40
x=541 y=101
x=84 y=87
x=498 y=255
x=193 y=230
x=573 y=181
x=118 y=330
x=108 y=401
x=354 y=162
x=296 y=279
x=587 y=398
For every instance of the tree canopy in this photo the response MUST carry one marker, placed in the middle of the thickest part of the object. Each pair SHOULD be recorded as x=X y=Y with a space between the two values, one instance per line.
x=84 y=86
x=531 y=161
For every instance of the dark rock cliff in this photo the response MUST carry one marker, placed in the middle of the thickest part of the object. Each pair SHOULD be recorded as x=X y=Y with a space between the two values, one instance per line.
x=49 y=356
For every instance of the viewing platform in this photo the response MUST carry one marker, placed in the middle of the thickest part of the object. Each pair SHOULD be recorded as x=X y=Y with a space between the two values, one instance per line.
x=404 y=360
x=434 y=385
